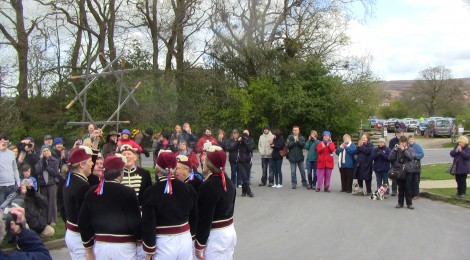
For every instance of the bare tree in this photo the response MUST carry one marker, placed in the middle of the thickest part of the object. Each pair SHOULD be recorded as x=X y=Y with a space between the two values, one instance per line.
x=14 y=28
x=436 y=89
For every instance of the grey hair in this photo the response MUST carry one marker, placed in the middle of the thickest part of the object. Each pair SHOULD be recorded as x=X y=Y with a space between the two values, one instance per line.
x=162 y=171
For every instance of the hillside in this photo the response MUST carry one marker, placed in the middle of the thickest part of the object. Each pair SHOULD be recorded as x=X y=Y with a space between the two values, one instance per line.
x=395 y=87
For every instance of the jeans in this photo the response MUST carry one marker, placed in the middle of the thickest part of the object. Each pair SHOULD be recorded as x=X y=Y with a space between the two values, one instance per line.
x=244 y=170
x=5 y=191
x=404 y=190
x=382 y=178
x=293 y=173
x=461 y=180
x=416 y=178
x=236 y=176
x=265 y=164
x=312 y=167
x=277 y=165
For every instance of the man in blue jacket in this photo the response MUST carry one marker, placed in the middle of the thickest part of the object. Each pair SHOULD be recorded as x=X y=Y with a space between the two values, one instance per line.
x=416 y=176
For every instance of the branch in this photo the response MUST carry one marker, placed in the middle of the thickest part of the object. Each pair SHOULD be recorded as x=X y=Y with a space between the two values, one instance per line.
x=8 y=36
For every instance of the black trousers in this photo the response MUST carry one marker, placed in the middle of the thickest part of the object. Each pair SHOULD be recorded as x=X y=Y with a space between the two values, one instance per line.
x=244 y=169
x=368 y=184
x=404 y=190
x=461 y=180
x=346 y=179
x=415 y=183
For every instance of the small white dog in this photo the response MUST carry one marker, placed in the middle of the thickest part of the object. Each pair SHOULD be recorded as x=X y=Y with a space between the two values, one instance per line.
x=358 y=191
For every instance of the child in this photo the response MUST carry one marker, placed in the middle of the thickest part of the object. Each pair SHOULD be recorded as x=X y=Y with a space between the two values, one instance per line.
x=26 y=175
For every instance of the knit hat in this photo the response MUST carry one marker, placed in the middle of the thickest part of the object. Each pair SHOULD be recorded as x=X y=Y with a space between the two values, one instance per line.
x=112 y=162
x=216 y=155
x=126 y=131
x=47 y=137
x=381 y=140
x=166 y=160
x=149 y=131
x=127 y=147
x=30 y=139
x=46 y=147
x=326 y=133
x=266 y=127
x=57 y=140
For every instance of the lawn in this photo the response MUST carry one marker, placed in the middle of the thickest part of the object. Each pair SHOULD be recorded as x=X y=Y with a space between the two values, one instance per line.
x=436 y=172
x=449 y=192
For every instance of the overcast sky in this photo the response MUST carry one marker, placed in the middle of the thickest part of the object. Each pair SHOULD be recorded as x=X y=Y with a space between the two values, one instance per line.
x=407 y=36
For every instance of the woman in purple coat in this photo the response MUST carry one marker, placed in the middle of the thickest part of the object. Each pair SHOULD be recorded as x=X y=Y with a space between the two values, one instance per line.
x=461 y=155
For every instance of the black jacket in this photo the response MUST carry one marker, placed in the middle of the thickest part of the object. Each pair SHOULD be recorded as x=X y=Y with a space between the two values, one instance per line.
x=278 y=143
x=48 y=171
x=36 y=205
x=245 y=149
x=232 y=149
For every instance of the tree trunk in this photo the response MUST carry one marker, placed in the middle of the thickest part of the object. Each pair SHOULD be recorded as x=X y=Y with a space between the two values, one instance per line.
x=22 y=48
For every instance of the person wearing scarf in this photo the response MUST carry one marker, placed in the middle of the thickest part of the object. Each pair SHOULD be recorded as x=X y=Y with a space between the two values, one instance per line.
x=169 y=213
x=345 y=153
x=109 y=220
x=380 y=156
x=325 y=162
x=216 y=237
x=135 y=177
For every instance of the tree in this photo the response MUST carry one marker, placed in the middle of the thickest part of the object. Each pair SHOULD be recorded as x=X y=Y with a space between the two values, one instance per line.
x=435 y=90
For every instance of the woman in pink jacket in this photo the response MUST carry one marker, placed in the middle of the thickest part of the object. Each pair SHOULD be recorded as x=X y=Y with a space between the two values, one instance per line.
x=325 y=162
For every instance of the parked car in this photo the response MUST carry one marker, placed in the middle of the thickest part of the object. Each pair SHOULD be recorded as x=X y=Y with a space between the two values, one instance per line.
x=421 y=129
x=411 y=125
x=392 y=125
x=439 y=127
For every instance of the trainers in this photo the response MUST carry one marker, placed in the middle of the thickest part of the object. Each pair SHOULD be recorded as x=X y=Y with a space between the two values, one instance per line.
x=294 y=186
x=279 y=186
x=239 y=186
x=274 y=186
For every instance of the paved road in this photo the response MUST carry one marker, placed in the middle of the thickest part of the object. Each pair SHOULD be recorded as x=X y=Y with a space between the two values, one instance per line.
x=303 y=224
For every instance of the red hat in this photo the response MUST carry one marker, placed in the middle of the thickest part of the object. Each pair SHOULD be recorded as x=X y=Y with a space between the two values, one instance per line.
x=217 y=156
x=80 y=154
x=183 y=159
x=114 y=162
x=166 y=159
x=127 y=147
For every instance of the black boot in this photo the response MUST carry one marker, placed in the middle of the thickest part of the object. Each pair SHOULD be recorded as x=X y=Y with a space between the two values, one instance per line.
x=244 y=189
x=248 y=191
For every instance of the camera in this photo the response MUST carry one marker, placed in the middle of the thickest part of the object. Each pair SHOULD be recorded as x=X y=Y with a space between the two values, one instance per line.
x=396 y=147
x=10 y=202
x=245 y=135
x=29 y=145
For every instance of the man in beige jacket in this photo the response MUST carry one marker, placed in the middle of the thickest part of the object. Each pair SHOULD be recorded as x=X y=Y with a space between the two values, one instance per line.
x=265 y=150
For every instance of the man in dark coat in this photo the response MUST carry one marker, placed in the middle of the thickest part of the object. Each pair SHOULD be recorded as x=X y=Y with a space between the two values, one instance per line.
x=245 y=153
x=295 y=144
x=392 y=144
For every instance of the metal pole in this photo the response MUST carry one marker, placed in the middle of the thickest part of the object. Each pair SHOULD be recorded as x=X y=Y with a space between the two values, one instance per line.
x=100 y=74
x=98 y=123
x=123 y=103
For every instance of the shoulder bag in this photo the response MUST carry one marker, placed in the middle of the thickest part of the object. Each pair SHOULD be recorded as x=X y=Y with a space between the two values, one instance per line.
x=397 y=173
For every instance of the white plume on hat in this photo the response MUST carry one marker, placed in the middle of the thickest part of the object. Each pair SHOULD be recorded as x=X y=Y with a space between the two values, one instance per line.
x=87 y=149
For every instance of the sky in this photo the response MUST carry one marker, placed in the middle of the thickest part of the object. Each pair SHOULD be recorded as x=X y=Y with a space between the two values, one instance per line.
x=405 y=37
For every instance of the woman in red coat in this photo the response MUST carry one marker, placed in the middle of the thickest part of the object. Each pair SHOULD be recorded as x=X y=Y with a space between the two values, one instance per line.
x=325 y=162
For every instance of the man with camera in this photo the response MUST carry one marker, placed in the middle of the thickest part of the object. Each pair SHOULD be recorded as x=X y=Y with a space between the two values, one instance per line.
x=392 y=145
x=29 y=244
x=9 y=176
x=245 y=153
x=296 y=143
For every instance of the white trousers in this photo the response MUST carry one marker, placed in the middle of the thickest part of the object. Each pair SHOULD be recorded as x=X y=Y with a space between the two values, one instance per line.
x=221 y=244
x=111 y=251
x=75 y=245
x=174 y=247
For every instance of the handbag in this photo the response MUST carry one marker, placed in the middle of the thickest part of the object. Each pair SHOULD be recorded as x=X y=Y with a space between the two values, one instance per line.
x=283 y=152
x=452 y=170
x=397 y=173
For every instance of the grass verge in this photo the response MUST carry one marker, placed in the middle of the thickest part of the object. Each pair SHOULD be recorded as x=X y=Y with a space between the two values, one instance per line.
x=448 y=195
x=436 y=172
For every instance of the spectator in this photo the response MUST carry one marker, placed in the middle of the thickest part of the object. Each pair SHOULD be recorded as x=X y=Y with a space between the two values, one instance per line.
x=110 y=147
x=48 y=170
x=401 y=157
x=266 y=151
x=232 y=149
x=164 y=144
x=380 y=157
x=325 y=162
x=393 y=142
x=9 y=177
x=221 y=140
x=48 y=140
x=295 y=144
x=175 y=136
x=14 y=149
x=277 y=144
x=28 y=155
x=184 y=150
x=143 y=139
x=312 y=155
x=26 y=175
x=29 y=244
x=91 y=130
x=205 y=141
x=59 y=152
x=187 y=136
x=36 y=205
x=125 y=139
x=416 y=175
x=364 y=163
x=245 y=153
x=461 y=155
x=346 y=163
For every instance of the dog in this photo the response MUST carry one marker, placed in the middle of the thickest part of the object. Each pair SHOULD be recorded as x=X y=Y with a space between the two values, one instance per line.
x=358 y=191
x=380 y=193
